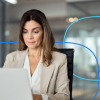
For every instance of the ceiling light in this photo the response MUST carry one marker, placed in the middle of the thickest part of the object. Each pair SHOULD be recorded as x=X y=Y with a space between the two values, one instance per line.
x=71 y=19
x=75 y=18
x=12 y=1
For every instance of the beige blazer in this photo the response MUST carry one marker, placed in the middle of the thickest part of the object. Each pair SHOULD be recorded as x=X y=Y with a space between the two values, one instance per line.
x=54 y=80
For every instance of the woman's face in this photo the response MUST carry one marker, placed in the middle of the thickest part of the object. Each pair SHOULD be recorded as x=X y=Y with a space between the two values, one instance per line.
x=32 y=34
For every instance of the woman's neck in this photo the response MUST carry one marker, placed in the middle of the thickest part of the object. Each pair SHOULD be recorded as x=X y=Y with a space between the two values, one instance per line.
x=35 y=52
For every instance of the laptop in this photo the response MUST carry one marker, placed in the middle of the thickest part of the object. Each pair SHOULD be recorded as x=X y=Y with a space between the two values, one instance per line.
x=14 y=84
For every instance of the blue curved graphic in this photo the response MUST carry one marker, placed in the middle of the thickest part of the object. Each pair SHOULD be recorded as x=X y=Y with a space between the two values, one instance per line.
x=75 y=22
x=92 y=53
x=84 y=46
x=86 y=78
x=8 y=42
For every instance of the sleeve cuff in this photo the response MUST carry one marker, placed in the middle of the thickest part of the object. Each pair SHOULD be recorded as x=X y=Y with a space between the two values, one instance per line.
x=45 y=97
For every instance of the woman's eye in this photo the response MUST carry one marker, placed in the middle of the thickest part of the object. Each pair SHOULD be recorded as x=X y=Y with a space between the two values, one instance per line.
x=35 y=32
x=24 y=32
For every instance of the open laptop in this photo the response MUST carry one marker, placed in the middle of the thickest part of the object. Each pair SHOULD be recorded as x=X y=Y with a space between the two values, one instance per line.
x=14 y=84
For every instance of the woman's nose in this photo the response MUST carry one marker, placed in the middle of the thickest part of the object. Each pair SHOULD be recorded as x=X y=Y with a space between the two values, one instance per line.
x=30 y=35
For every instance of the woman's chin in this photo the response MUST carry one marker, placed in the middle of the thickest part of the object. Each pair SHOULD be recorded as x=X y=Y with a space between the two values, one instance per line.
x=32 y=47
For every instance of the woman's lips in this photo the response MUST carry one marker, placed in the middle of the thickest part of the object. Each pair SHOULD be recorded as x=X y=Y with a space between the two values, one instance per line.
x=31 y=42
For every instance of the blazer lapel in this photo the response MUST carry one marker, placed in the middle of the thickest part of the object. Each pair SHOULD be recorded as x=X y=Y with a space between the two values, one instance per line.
x=45 y=76
x=18 y=60
x=45 y=72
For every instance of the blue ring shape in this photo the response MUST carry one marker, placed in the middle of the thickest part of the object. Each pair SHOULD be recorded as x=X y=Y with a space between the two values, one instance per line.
x=85 y=47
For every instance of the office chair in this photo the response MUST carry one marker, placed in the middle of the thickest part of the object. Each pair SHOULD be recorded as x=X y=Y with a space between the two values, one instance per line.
x=70 y=56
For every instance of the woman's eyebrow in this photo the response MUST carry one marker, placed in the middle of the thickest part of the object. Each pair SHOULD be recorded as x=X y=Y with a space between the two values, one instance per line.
x=35 y=28
x=32 y=29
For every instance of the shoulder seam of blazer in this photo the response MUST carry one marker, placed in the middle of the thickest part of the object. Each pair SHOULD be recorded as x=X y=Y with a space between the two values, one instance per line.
x=13 y=55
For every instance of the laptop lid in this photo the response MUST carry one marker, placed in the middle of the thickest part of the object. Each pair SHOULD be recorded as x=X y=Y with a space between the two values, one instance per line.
x=14 y=84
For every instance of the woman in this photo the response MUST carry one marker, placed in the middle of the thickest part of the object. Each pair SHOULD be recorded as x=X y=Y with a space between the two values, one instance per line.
x=46 y=66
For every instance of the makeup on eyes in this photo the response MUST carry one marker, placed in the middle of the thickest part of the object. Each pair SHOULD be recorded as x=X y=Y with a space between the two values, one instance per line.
x=34 y=30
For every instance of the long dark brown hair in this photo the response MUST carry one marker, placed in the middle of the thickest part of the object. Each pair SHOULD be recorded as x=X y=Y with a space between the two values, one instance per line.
x=48 y=40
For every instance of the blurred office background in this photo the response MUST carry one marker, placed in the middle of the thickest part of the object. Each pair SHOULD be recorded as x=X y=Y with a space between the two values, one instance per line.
x=60 y=14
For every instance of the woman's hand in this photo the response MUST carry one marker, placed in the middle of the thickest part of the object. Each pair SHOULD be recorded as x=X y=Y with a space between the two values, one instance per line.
x=37 y=97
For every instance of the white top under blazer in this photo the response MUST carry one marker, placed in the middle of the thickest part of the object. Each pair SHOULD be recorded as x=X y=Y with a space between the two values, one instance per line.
x=35 y=79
